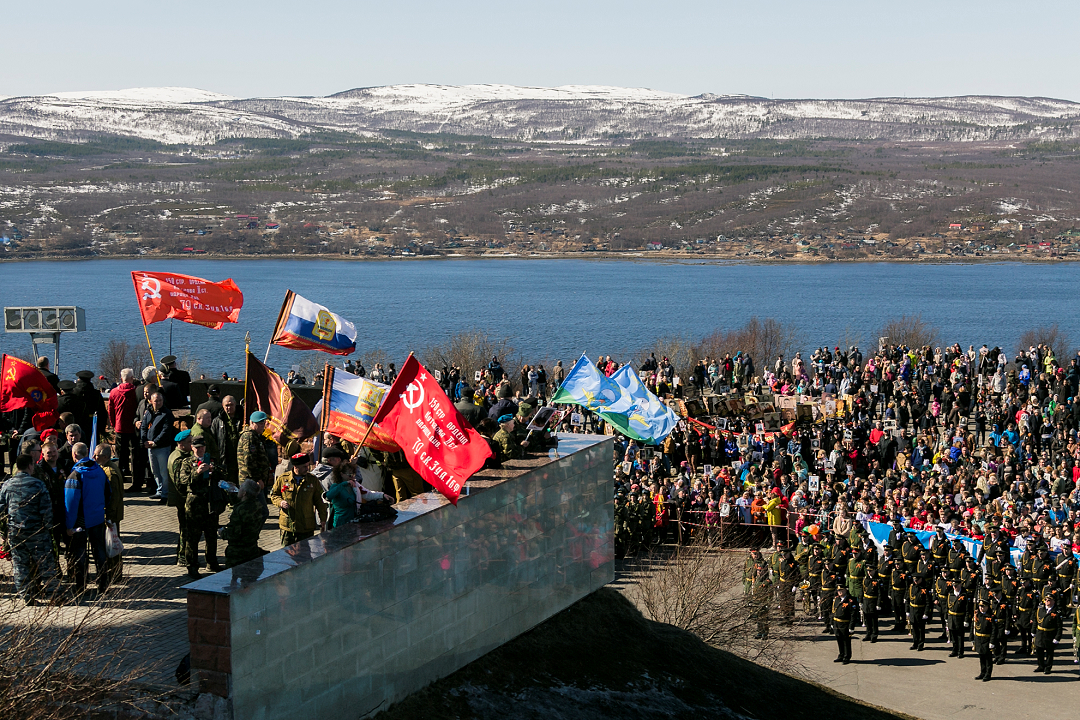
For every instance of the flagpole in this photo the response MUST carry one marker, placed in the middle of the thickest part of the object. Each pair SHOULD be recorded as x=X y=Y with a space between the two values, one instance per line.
x=372 y=423
x=152 y=360
x=247 y=353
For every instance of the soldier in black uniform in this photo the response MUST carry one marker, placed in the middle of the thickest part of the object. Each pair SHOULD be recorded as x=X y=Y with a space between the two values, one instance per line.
x=1026 y=600
x=843 y=610
x=179 y=378
x=956 y=604
x=898 y=588
x=999 y=606
x=1048 y=625
x=814 y=565
x=871 y=590
x=984 y=640
x=918 y=602
x=789 y=579
x=942 y=588
x=72 y=402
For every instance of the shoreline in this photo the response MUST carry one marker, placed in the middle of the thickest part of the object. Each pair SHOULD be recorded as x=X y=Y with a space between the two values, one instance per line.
x=647 y=256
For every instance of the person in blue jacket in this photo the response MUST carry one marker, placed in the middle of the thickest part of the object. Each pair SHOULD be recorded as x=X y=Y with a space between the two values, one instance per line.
x=86 y=494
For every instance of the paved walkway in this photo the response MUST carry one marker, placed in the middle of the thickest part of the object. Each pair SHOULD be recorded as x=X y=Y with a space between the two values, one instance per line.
x=148 y=608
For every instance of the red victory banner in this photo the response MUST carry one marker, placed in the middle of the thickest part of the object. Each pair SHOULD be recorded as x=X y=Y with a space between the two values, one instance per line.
x=24 y=386
x=190 y=299
x=438 y=442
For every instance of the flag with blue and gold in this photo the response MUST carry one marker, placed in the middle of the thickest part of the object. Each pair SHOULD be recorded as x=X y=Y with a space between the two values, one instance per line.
x=621 y=400
x=304 y=325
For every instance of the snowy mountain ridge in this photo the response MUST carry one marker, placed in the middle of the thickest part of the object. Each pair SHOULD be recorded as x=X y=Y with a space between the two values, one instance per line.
x=574 y=114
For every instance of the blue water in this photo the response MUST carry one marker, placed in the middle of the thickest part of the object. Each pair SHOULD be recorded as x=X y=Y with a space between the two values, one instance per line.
x=553 y=309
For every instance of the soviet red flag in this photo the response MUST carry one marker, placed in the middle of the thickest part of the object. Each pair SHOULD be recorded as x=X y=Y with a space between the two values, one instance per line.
x=190 y=299
x=438 y=442
x=24 y=386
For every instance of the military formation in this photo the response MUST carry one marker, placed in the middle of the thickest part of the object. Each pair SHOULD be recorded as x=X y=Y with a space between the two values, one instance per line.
x=988 y=607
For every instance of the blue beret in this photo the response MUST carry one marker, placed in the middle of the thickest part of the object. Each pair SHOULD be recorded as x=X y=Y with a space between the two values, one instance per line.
x=182 y=436
x=505 y=418
x=259 y=416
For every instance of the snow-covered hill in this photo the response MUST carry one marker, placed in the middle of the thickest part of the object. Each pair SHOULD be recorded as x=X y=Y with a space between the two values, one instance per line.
x=579 y=114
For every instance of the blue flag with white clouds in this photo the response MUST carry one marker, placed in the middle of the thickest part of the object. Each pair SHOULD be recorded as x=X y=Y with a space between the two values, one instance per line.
x=622 y=400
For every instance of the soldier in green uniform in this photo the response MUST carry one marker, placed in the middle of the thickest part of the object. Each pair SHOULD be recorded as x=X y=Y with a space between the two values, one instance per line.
x=984 y=640
x=1048 y=626
x=761 y=595
x=245 y=523
x=856 y=570
x=643 y=520
x=509 y=447
x=251 y=459
x=622 y=526
x=199 y=476
x=829 y=584
x=298 y=496
x=753 y=557
x=180 y=452
x=201 y=428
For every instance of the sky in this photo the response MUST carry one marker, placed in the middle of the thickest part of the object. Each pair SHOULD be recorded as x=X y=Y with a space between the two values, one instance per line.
x=768 y=48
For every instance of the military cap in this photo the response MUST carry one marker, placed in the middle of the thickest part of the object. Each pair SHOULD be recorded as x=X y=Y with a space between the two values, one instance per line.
x=524 y=409
x=84 y=375
x=334 y=452
x=301 y=458
x=198 y=440
x=168 y=360
x=66 y=385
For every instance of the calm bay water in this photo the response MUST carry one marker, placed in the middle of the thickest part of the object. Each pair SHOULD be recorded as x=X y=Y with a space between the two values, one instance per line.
x=552 y=308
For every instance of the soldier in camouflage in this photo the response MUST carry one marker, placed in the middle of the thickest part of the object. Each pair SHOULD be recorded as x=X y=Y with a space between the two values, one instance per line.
x=251 y=459
x=199 y=475
x=25 y=501
x=245 y=524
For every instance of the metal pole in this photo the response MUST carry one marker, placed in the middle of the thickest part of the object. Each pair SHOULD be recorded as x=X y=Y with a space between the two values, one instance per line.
x=170 y=335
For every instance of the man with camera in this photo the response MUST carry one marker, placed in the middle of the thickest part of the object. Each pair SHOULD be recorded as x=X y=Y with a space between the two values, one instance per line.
x=203 y=503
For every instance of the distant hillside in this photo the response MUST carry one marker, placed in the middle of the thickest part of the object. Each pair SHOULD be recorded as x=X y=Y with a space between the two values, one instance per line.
x=576 y=114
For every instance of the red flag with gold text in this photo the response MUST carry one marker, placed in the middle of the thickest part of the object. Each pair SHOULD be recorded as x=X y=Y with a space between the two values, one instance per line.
x=438 y=442
x=190 y=299
x=24 y=386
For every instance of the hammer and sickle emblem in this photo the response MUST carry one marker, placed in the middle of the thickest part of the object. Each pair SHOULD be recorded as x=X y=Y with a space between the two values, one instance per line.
x=152 y=288
x=413 y=396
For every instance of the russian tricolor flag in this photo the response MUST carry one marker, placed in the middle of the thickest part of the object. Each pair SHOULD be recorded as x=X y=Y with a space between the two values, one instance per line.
x=304 y=325
x=349 y=403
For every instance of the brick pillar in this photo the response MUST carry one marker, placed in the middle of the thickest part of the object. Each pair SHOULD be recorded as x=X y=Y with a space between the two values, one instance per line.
x=209 y=633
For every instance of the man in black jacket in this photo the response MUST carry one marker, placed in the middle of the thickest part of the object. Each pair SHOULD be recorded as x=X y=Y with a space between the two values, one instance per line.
x=157 y=433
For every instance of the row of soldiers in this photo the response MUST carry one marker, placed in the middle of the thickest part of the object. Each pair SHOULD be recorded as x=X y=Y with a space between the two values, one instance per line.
x=847 y=585
x=635 y=518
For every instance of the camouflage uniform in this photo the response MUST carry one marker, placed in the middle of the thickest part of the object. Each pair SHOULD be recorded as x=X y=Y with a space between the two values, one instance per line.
x=509 y=449
x=622 y=526
x=242 y=532
x=200 y=518
x=251 y=459
x=25 y=501
x=177 y=498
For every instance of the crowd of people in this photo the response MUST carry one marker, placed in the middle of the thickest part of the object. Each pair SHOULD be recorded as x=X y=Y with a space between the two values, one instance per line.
x=966 y=446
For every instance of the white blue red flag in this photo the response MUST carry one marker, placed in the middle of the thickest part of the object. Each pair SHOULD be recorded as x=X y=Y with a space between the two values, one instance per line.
x=349 y=402
x=304 y=325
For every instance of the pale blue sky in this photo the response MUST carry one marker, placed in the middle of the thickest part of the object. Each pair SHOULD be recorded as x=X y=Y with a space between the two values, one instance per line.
x=772 y=48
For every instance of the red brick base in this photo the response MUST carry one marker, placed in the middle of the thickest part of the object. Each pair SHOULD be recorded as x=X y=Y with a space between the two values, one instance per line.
x=209 y=636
